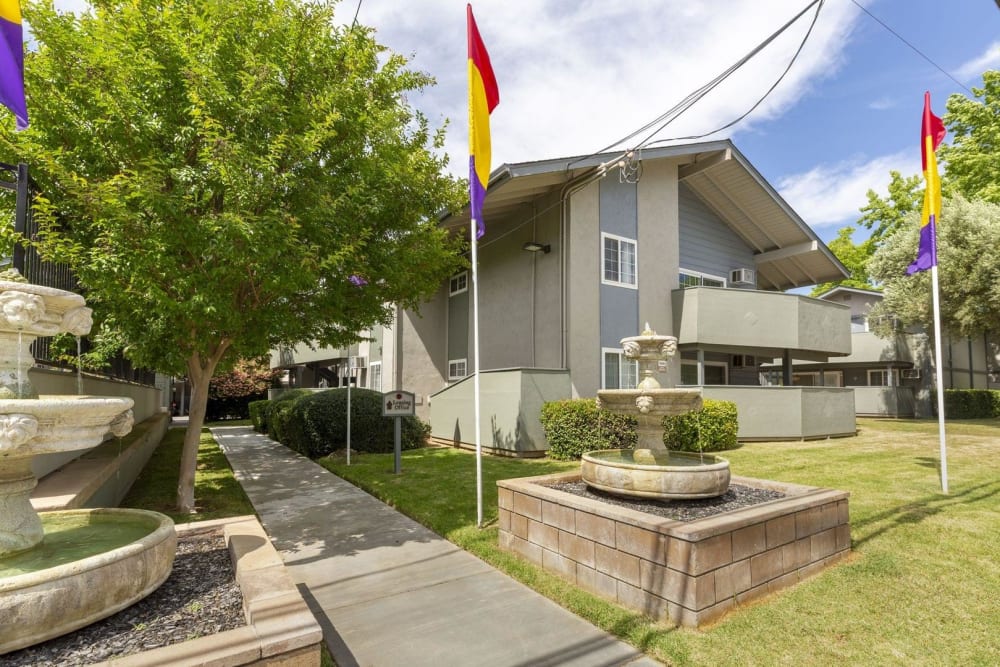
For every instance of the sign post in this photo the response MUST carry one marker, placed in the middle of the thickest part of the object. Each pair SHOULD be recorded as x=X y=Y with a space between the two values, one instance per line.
x=398 y=404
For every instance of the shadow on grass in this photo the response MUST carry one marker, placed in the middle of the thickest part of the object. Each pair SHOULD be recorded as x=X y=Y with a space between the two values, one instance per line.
x=917 y=511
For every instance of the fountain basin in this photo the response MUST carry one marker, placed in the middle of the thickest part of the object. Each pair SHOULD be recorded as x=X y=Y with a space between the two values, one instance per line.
x=133 y=555
x=659 y=474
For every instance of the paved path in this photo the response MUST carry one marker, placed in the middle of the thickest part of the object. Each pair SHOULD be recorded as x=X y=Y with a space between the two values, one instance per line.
x=388 y=591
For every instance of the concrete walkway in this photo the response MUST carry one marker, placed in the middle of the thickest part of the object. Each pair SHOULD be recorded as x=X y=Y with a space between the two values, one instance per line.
x=388 y=591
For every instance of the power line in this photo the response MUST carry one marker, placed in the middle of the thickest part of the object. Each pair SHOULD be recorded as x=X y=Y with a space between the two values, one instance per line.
x=913 y=48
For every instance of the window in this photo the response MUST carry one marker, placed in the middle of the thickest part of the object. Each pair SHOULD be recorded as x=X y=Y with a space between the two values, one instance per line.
x=881 y=378
x=459 y=283
x=619 y=372
x=716 y=372
x=698 y=279
x=456 y=369
x=375 y=376
x=619 y=261
x=812 y=379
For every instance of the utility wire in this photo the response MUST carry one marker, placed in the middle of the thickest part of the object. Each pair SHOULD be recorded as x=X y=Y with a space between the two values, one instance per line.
x=674 y=112
x=912 y=47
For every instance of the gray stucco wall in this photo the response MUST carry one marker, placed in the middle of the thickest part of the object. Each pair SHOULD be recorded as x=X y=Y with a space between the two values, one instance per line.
x=789 y=413
x=458 y=323
x=583 y=291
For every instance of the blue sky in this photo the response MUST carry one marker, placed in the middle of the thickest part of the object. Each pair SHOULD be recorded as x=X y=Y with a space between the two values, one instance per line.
x=576 y=76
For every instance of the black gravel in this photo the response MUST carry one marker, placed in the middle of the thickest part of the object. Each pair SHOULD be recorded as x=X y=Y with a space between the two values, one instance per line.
x=737 y=497
x=200 y=597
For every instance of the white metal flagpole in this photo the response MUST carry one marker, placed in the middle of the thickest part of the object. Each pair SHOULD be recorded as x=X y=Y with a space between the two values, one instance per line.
x=475 y=370
x=940 y=380
x=350 y=370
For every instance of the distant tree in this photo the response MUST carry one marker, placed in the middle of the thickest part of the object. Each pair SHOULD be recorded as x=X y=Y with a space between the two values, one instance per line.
x=972 y=165
x=884 y=216
x=230 y=393
x=854 y=256
x=968 y=267
x=227 y=176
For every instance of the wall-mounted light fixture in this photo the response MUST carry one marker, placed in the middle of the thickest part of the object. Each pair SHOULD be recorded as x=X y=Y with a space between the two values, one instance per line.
x=535 y=246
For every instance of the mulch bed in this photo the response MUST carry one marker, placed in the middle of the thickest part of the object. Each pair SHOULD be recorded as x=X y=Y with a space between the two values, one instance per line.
x=737 y=497
x=199 y=598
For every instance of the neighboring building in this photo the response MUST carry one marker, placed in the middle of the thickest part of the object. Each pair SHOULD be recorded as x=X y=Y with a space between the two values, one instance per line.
x=580 y=253
x=894 y=377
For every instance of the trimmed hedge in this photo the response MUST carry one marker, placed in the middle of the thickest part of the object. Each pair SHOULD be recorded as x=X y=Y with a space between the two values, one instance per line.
x=970 y=403
x=274 y=413
x=316 y=425
x=711 y=429
x=575 y=426
x=257 y=410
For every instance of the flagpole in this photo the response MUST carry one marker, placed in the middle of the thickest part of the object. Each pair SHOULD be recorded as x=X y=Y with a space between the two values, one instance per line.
x=940 y=379
x=475 y=369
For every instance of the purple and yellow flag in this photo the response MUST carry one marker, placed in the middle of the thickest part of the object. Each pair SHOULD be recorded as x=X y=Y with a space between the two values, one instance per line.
x=483 y=98
x=12 y=61
x=931 y=133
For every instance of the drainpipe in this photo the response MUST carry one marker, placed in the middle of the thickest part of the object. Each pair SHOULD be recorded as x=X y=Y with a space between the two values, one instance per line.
x=972 y=368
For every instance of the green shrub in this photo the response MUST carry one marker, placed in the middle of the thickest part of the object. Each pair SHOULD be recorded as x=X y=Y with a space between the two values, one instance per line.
x=970 y=403
x=711 y=429
x=258 y=411
x=317 y=424
x=575 y=426
x=276 y=410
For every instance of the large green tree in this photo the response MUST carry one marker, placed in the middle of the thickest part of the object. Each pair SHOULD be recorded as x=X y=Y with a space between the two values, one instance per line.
x=972 y=165
x=226 y=176
x=968 y=265
x=854 y=257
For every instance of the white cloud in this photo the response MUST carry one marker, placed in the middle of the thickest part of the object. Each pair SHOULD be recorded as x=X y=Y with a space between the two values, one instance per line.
x=575 y=77
x=973 y=69
x=882 y=103
x=830 y=194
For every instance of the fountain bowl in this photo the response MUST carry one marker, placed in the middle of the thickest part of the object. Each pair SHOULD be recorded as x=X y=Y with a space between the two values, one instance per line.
x=46 y=602
x=657 y=474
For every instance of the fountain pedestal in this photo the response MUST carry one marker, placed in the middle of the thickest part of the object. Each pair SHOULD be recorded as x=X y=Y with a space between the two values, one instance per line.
x=650 y=471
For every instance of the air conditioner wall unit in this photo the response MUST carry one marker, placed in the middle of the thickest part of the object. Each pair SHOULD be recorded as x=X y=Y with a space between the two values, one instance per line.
x=911 y=373
x=743 y=277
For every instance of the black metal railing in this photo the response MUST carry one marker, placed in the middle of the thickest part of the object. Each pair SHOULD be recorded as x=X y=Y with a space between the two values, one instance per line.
x=51 y=274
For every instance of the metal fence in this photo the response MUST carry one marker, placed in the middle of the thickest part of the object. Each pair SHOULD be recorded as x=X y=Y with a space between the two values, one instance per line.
x=26 y=260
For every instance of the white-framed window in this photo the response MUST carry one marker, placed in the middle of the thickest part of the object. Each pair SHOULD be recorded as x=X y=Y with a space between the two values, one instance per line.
x=618 y=261
x=618 y=371
x=456 y=369
x=459 y=283
x=881 y=378
x=375 y=376
x=812 y=379
x=716 y=372
x=690 y=278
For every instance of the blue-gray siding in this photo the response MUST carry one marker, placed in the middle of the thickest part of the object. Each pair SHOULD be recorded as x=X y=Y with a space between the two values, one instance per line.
x=707 y=244
x=619 y=305
x=458 y=326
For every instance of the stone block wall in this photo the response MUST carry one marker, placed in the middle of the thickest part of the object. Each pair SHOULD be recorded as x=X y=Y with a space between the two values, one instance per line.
x=685 y=573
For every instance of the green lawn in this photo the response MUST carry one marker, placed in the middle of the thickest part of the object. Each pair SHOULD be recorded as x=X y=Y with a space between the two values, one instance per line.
x=922 y=588
x=217 y=493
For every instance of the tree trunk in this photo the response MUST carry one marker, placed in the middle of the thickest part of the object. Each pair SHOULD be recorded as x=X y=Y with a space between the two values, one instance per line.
x=200 y=372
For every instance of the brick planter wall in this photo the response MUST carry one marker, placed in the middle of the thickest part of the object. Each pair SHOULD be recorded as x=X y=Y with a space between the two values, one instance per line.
x=686 y=573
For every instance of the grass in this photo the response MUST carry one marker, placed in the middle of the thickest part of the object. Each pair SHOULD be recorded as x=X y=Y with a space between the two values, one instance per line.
x=216 y=492
x=922 y=587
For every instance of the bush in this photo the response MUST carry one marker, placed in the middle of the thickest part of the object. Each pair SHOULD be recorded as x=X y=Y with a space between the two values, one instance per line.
x=711 y=429
x=317 y=424
x=575 y=426
x=970 y=403
x=257 y=410
x=276 y=408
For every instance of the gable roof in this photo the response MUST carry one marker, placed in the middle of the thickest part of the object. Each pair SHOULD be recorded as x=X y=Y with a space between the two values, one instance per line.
x=787 y=253
x=840 y=289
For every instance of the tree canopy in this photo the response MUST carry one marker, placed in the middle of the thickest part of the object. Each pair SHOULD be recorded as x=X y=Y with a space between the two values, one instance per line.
x=968 y=264
x=854 y=257
x=971 y=163
x=225 y=176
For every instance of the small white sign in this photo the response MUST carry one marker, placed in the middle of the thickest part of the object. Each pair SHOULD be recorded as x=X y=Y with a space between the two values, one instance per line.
x=398 y=404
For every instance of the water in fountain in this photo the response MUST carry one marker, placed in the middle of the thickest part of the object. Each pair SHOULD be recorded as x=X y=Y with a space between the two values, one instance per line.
x=61 y=570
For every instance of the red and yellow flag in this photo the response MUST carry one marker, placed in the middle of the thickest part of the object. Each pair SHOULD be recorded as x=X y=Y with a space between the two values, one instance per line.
x=931 y=133
x=483 y=98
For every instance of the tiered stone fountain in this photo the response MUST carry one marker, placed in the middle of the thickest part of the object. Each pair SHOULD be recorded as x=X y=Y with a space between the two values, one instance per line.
x=650 y=470
x=62 y=570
